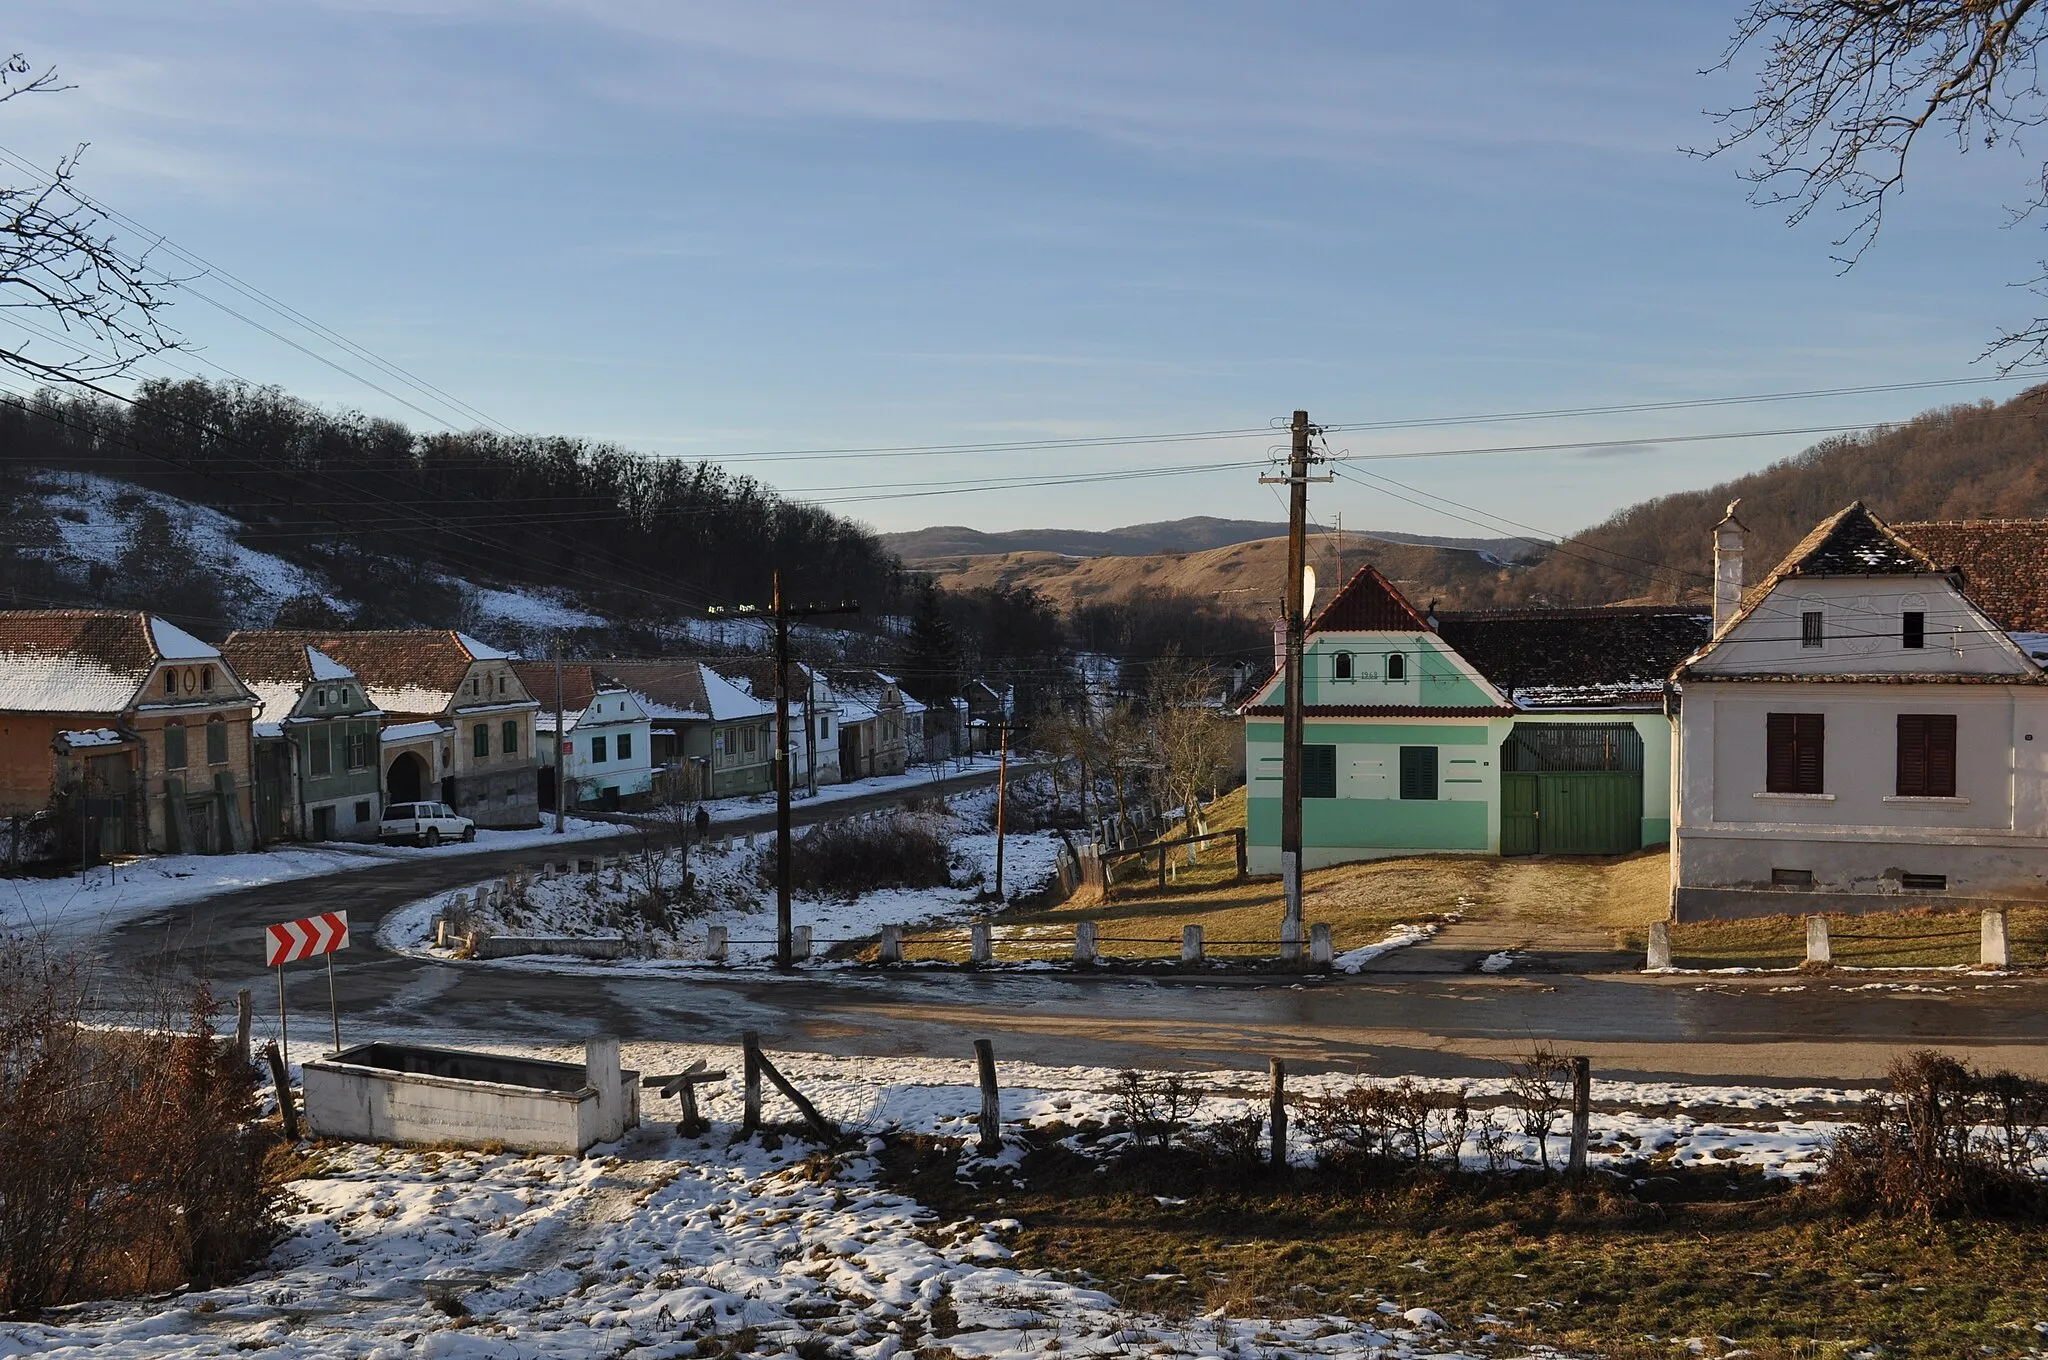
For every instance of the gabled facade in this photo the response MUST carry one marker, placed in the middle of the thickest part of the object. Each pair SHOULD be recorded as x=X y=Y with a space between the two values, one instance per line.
x=318 y=771
x=873 y=728
x=607 y=736
x=481 y=761
x=816 y=712
x=1863 y=732
x=142 y=725
x=703 y=722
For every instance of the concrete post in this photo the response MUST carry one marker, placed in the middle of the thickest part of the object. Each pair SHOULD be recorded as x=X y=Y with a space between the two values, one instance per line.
x=1290 y=941
x=714 y=943
x=1084 y=942
x=1582 y=1116
x=1190 y=944
x=1321 y=951
x=800 y=943
x=1660 y=945
x=1991 y=945
x=982 y=947
x=601 y=1072
x=1817 y=950
x=1276 y=1113
x=892 y=944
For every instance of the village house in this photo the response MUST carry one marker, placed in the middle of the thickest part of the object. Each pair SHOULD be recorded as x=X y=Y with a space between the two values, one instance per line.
x=1868 y=728
x=703 y=723
x=1557 y=744
x=874 y=730
x=142 y=728
x=318 y=771
x=813 y=700
x=607 y=737
x=459 y=726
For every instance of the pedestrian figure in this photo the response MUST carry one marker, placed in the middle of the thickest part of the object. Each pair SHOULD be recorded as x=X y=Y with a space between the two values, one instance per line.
x=703 y=823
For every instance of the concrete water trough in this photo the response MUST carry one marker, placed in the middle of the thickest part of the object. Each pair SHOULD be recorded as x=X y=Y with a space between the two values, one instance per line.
x=404 y=1093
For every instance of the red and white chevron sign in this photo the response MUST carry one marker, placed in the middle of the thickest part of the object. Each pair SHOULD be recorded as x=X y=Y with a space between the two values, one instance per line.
x=295 y=940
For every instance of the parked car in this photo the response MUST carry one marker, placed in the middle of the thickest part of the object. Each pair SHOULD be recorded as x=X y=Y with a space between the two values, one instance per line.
x=424 y=824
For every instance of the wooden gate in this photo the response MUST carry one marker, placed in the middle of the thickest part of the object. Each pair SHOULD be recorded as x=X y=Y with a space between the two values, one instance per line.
x=1571 y=789
x=1520 y=823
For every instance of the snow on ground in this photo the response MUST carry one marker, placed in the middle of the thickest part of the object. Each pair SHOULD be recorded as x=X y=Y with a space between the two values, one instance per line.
x=529 y=609
x=910 y=781
x=660 y=1244
x=108 y=896
x=730 y=881
x=1400 y=937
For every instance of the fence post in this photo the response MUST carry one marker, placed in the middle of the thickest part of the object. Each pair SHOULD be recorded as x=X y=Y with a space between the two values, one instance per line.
x=1991 y=942
x=1290 y=941
x=1817 y=950
x=800 y=943
x=1237 y=834
x=1084 y=942
x=282 y=1081
x=982 y=947
x=715 y=938
x=1277 y=1113
x=1660 y=945
x=1190 y=944
x=892 y=944
x=1582 y=1116
x=245 y=1014
x=750 y=1049
x=1320 y=951
x=1163 y=857
x=991 y=1098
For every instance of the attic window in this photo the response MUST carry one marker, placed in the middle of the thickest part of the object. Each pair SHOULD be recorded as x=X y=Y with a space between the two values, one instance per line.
x=1913 y=631
x=501 y=684
x=1397 y=666
x=170 y=682
x=1343 y=666
x=320 y=698
x=475 y=686
x=206 y=678
x=1812 y=632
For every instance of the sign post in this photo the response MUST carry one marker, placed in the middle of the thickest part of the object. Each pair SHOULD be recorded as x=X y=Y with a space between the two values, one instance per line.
x=295 y=940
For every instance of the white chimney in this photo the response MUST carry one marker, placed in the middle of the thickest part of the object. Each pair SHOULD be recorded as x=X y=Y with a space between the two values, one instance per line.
x=1730 y=541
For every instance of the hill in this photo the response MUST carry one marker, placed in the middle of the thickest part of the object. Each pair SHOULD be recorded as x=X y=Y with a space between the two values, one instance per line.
x=1195 y=534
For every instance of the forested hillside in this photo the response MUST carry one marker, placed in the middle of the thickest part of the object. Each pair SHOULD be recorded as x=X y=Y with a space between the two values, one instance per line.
x=1981 y=461
x=377 y=510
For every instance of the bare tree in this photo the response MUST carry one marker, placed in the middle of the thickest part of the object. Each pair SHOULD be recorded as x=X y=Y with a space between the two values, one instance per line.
x=1189 y=737
x=1846 y=89
x=60 y=259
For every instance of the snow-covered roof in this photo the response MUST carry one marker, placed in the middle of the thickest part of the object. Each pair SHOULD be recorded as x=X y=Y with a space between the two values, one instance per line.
x=268 y=729
x=175 y=644
x=679 y=690
x=412 y=731
x=97 y=736
x=326 y=667
x=2033 y=644
x=92 y=660
x=482 y=651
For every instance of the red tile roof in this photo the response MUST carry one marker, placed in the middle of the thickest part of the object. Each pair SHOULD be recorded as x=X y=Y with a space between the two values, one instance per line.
x=1369 y=603
x=580 y=683
x=2004 y=565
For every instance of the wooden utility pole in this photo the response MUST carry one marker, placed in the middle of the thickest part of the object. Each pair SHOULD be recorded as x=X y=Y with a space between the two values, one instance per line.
x=784 y=750
x=811 y=729
x=561 y=765
x=1294 y=610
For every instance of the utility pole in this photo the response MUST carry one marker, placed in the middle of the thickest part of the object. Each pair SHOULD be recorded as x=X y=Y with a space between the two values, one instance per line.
x=1293 y=610
x=1002 y=791
x=784 y=750
x=811 y=728
x=561 y=765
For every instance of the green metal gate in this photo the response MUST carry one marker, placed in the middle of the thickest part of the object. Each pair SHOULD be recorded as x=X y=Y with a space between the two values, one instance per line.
x=1571 y=789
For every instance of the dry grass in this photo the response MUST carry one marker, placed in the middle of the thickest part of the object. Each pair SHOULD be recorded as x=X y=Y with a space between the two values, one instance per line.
x=1924 y=938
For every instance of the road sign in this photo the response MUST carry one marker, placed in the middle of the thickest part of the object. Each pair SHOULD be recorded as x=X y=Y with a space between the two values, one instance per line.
x=296 y=940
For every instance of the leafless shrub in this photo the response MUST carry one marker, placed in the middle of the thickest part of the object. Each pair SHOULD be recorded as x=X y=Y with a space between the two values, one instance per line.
x=1944 y=1140
x=1541 y=1084
x=1239 y=1142
x=1404 y=1122
x=1154 y=1107
x=896 y=850
x=1492 y=1140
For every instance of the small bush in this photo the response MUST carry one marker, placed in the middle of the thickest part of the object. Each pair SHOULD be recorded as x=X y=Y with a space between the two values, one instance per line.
x=895 y=850
x=1945 y=1140
x=1154 y=1108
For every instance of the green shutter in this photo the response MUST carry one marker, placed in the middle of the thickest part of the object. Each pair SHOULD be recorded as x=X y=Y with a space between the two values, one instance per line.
x=1319 y=772
x=1418 y=772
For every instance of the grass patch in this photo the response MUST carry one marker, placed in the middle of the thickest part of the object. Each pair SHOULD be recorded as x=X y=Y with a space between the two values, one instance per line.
x=1917 y=938
x=1693 y=1255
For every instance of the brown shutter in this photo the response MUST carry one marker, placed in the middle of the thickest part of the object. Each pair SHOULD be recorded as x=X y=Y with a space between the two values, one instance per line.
x=1912 y=781
x=1795 y=752
x=1778 y=758
x=1810 y=733
x=1927 y=755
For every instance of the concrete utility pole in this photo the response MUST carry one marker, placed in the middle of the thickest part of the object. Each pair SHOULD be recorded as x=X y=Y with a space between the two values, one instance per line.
x=1294 y=610
x=1002 y=795
x=785 y=749
x=561 y=765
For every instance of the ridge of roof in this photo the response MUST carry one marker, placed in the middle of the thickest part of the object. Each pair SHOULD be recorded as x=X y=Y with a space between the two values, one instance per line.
x=1368 y=603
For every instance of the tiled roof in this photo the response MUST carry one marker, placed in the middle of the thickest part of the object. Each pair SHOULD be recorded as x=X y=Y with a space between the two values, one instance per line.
x=404 y=670
x=83 y=660
x=756 y=675
x=2004 y=564
x=1378 y=711
x=674 y=688
x=1369 y=603
x=271 y=658
x=1578 y=658
x=1853 y=542
x=580 y=683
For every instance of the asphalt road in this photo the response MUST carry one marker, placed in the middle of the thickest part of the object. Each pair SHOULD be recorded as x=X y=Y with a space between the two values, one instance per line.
x=1776 y=1029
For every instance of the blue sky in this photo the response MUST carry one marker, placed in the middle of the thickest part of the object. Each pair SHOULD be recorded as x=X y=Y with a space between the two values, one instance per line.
x=710 y=230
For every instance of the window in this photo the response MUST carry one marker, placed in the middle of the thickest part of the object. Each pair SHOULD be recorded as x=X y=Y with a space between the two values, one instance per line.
x=480 y=739
x=362 y=811
x=1418 y=772
x=597 y=750
x=1397 y=666
x=747 y=740
x=1927 y=755
x=511 y=734
x=475 y=686
x=1791 y=878
x=1341 y=666
x=1914 y=630
x=824 y=728
x=318 y=755
x=1319 y=772
x=216 y=742
x=206 y=678
x=1794 y=752
x=359 y=752
x=625 y=744
x=501 y=684
x=1811 y=631
x=320 y=698
x=174 y=741
x=1924 y=882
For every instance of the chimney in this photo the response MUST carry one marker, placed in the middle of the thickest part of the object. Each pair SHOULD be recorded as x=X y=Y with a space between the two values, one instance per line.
x=1730 y=540
x=1280 y=645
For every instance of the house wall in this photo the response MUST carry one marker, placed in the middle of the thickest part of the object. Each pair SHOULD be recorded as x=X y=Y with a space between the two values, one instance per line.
x=1434 y=676
x=27 y=765
x=500 y=788
x=354 y=796
x=1858 y=836
x=630 y=777
x=1862 y=623
x=199 y=777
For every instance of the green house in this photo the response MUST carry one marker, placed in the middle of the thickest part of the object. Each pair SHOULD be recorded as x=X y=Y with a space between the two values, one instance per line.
x=317 y=757
x=1506 y=732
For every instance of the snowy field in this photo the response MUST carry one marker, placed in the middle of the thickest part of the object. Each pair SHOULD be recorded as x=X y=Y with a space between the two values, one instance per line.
x=108 y=896
x=730 y=892
x=657 y=1245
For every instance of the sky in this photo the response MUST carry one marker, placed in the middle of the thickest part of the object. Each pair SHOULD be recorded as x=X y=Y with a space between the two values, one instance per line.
x=725 y=231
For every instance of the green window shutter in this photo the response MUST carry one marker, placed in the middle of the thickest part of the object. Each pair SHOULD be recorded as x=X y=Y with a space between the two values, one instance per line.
x=511 y=736
x=480 y=738
x=1418 y=772
x=216 y=743
x=319 y=754
x=597 y=750
x=1319 y=772
x=625 y=746
x=174 y=747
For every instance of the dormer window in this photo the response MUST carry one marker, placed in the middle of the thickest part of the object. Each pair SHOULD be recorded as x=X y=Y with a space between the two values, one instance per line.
x=320 y=698
x=1343 y=666
x=1397 y=667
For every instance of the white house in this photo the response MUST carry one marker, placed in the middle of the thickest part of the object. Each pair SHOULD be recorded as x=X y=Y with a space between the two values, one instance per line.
x=607 y=733
x=1862 y=732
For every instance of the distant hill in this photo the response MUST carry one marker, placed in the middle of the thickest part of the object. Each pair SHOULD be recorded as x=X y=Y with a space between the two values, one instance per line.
x=1198 y=533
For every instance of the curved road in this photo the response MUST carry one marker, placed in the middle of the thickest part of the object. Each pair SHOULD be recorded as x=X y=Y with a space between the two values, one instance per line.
x=1775 y=1029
